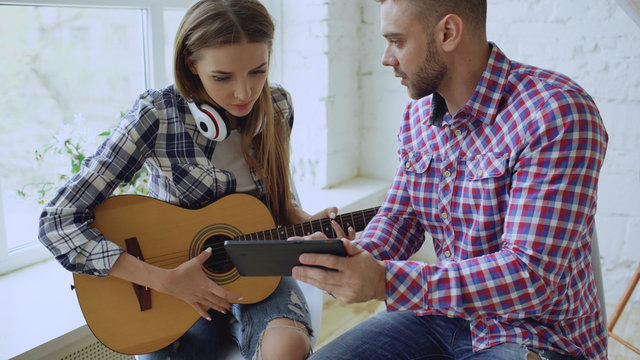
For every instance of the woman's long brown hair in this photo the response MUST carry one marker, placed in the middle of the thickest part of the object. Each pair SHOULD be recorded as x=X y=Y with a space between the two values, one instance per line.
x=213 y=23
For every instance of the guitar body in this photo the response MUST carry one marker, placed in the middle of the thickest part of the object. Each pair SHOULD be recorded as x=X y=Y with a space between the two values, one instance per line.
x=167 y=236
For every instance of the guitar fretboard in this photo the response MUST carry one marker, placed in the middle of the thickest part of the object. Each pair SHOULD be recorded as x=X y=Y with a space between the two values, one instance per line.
x=357 y=219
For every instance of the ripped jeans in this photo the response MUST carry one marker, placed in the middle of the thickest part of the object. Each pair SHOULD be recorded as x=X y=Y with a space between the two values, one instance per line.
x=211 y=340
x=405 y=336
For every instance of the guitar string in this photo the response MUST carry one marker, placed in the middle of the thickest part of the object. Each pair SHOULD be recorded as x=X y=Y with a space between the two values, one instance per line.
x=359 y=223
x=225 y=263
x=167 y=260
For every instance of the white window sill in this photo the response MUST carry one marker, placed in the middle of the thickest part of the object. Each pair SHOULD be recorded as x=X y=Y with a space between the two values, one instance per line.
x=37 y=304
x=356 y=194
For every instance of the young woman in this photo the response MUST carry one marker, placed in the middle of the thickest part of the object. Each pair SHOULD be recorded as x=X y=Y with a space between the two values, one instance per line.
x=221 y=129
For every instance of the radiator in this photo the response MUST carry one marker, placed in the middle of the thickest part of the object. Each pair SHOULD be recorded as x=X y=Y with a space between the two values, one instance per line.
x=79 y=344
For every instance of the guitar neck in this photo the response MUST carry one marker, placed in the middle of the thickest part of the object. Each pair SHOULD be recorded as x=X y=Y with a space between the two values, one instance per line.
x=357 y=219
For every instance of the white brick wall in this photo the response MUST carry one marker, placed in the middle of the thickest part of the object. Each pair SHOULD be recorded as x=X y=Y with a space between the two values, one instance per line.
x=343 y=100
x=592 y=41
x=300 y=64
x=597 y=44
x=350 y=104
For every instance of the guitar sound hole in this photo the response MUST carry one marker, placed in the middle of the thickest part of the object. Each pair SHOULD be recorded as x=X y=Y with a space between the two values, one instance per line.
x=219 y=262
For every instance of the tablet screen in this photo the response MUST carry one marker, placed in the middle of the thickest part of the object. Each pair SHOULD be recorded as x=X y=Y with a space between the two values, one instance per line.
x=276 y=257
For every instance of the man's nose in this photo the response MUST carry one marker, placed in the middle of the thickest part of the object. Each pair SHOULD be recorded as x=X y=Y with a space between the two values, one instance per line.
x=388 y=58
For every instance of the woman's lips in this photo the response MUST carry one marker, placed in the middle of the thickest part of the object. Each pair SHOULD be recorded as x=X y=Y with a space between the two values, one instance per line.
x=242 y=107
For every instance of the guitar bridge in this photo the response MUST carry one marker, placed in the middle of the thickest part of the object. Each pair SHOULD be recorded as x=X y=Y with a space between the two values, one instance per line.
x=143 y=293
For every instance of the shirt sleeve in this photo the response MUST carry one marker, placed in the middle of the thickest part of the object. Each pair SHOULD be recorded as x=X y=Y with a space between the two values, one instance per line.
x=547 y=226
x=65 y=222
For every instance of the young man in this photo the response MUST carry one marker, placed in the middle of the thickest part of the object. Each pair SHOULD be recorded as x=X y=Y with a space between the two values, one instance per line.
x=500 y=164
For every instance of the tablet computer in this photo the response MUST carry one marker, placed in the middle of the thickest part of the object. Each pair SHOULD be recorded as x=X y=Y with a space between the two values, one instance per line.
x=276 y=257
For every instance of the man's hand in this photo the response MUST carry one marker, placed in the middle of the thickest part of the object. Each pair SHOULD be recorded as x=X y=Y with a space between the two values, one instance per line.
x=359 y=277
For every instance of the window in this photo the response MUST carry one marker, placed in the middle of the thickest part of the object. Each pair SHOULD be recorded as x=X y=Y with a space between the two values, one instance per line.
x=69 y=69
x=74 y=65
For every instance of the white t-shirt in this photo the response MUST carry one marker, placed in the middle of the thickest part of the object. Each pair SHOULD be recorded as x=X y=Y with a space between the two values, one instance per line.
x=228 y=156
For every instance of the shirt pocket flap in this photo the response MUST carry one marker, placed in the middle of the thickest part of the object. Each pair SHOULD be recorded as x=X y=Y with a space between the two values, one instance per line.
x=415 y=162
x=487 y=166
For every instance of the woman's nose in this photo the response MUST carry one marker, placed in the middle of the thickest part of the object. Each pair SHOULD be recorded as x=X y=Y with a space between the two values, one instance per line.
x=242 y=90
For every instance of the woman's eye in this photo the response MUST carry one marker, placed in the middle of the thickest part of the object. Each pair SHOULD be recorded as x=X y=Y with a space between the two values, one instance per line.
x=220 y=78
x=258 y=72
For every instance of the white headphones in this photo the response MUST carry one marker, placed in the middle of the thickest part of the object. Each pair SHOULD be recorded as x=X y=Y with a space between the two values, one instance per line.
x=210 y=120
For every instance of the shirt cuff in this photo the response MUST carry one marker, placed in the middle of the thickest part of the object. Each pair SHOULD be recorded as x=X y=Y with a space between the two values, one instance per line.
x=406 y=286
x=102 y=258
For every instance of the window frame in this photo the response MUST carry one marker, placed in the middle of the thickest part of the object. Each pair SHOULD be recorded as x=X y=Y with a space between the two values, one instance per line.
x=152 y=13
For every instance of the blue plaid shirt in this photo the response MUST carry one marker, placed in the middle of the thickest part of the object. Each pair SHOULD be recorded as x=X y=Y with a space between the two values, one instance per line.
x=507 y=189
x=158 y=131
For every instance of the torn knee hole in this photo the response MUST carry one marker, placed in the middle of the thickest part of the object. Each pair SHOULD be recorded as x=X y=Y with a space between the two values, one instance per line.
x=288 y=324
x=533 y=356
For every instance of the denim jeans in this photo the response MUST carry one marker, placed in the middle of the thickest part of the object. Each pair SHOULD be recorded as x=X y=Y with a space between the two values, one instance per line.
x=244 y=325
x=403 y=335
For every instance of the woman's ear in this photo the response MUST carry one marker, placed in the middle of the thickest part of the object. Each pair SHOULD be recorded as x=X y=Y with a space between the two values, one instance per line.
x=451 y=28
x=189 y=62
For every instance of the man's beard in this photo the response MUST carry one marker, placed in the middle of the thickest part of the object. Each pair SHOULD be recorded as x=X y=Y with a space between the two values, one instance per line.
x=429 y=76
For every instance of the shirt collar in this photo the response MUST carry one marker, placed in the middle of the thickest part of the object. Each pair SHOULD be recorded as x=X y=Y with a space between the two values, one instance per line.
x=484 y=104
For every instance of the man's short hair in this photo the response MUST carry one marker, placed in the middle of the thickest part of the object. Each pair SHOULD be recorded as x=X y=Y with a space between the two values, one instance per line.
x=472 y=12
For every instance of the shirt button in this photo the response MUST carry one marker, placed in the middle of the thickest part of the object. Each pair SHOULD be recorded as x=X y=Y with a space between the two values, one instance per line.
x=447 y=253
x=458 y=132
x=407 y=165
x=447 y=173
x=480 y=173
x=444 y=215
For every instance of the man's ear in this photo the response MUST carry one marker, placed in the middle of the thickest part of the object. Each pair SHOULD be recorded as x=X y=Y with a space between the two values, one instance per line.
x=450 y=30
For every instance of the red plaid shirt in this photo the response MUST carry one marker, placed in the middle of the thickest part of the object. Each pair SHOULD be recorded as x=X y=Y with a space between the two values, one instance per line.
x=507 y=189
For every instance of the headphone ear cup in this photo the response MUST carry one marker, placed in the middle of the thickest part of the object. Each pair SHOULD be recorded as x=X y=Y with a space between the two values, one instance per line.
x=207 y=127
x=210 y=122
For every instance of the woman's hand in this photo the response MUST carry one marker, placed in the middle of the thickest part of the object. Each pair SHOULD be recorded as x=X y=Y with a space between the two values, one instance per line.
x=186 y=282
x=300 y=216
x=189 y=283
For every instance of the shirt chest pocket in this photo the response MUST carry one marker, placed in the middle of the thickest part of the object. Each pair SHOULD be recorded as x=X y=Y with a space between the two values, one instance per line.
x=487 y=184
x=414 y=162
x=419 y=173
x=487 y=166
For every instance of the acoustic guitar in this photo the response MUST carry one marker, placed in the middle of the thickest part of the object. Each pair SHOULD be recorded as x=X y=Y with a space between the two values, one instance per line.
x=131 y=319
